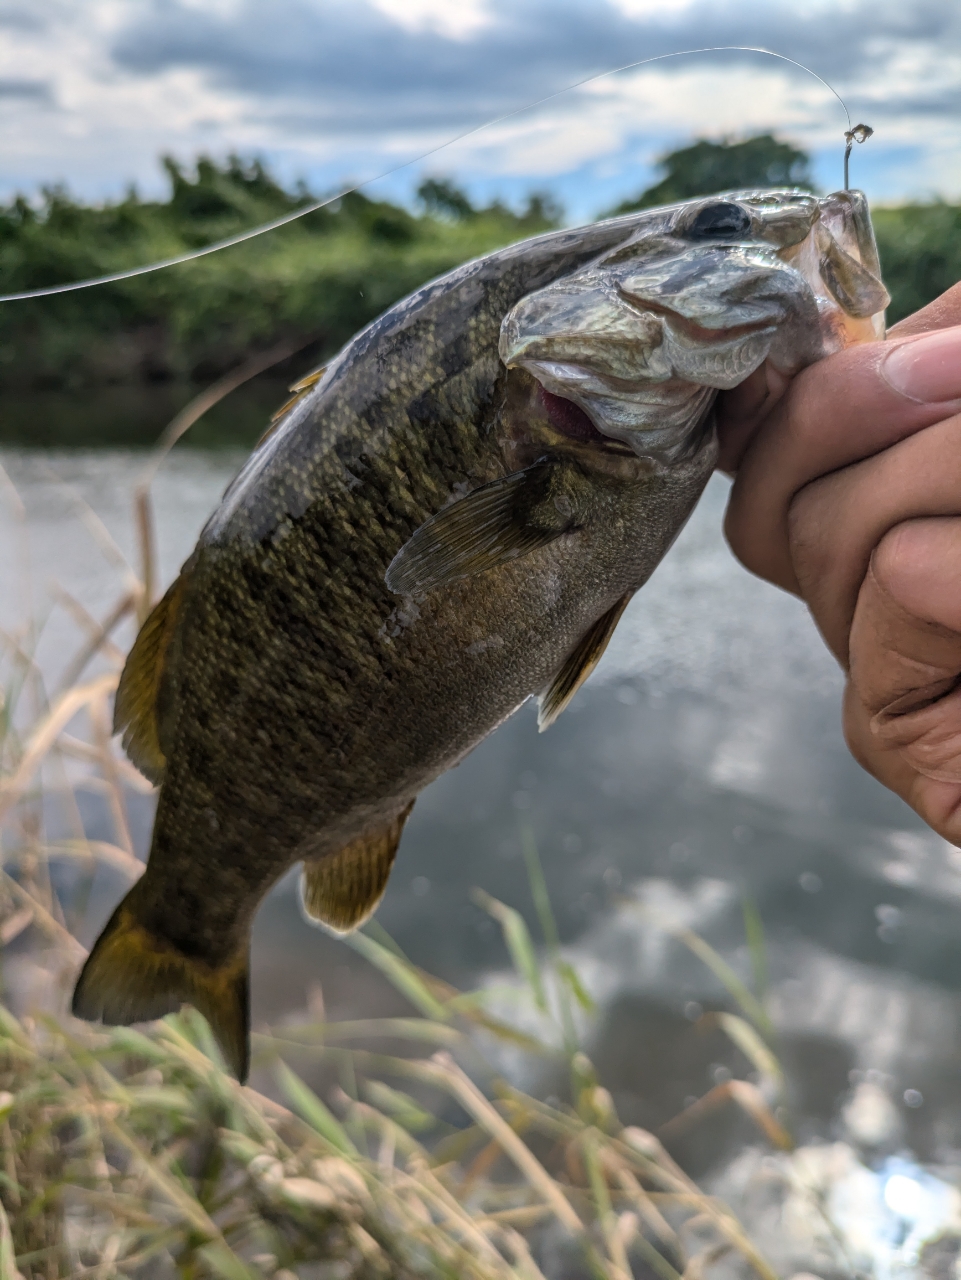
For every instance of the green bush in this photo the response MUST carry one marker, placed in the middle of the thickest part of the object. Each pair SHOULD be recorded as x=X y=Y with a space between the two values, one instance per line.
x=920 y=248
x=311 y=284
x=321 y=278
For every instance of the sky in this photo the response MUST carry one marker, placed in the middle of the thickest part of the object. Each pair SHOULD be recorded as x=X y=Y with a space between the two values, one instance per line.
x=92 y=92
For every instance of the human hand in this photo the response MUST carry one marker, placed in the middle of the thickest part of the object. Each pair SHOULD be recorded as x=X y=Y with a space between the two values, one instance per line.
x=848 y=493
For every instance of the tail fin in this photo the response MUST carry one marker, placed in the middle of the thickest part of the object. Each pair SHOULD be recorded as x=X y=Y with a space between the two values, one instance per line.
x=132 y=975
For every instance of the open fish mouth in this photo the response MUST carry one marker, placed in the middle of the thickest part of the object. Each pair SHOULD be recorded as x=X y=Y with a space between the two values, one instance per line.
x=643 y=338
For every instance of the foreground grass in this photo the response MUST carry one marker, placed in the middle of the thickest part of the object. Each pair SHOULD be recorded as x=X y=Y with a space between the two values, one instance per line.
x=125 y=1152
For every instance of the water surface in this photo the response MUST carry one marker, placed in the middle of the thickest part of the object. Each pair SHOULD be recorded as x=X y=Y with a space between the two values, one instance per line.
x=702 y=764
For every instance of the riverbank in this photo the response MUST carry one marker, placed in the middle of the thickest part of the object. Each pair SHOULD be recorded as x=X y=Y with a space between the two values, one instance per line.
x=111 y=365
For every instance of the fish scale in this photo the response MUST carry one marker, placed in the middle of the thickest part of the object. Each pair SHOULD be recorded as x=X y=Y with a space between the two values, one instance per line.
x=449 y=519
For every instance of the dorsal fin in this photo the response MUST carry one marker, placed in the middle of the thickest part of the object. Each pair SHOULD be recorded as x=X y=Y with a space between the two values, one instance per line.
x=342 y=889
x=135 y=708
x=299 y=389
x=578 y=665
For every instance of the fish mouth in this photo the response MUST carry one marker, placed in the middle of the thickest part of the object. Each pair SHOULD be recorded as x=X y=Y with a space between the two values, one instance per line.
x=699 y=333
x=661 y=421
x=631 y=349
x=570 y=420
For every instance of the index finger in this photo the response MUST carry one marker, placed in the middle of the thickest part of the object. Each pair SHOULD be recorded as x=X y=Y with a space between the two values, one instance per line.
x=742 y=411
x=842 y=410
x=942 y=313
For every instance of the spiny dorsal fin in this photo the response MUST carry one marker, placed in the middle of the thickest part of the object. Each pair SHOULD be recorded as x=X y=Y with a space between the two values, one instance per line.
x=342 y=889
x=131 y=975
x=135 y=708
x=299 y=389
x=578 y=665
x=497 y=522
x=308 y=381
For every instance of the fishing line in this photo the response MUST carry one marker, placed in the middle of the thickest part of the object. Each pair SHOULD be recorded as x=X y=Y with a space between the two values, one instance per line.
x=857 y=133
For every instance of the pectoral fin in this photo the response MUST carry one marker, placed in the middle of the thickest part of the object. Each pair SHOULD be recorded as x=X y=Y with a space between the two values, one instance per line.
x=342 y=889
x=497 y=522
x=578 y=665
x=135 y=709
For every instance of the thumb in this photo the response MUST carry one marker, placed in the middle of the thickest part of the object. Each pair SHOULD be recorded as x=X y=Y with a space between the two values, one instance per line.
x=839 y=411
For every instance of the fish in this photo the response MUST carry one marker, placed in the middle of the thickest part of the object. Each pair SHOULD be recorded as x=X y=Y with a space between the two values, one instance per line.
x=448 y=519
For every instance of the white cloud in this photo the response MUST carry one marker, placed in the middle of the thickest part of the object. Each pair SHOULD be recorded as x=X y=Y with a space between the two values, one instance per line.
x=329 y=88
x=612 y=122
x=456 y=19
x=651 y=9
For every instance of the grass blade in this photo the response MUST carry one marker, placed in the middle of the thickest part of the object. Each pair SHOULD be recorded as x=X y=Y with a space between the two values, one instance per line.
x=754 y=932
x=401 y=973
x=542 y=901
x=449 y=1076
x=750 y=1005
x=568 y=974
x=8 y=1262
x=545 y=914
x=315 y=1112
x=519 y=944
x=743 y=1035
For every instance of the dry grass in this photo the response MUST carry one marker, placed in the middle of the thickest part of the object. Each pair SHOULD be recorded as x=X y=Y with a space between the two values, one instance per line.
x=128 y=1152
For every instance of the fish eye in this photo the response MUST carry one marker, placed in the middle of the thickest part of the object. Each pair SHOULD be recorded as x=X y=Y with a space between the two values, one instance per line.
x=721 y=219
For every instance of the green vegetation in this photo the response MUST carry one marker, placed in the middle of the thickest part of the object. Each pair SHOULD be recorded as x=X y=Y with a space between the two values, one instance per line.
x=133 y=1153
x=111 y=365
x=317 y=281
x=706 y=167
x=920 y=248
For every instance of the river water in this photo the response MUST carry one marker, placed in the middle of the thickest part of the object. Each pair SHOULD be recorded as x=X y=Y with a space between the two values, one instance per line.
x=702 y=765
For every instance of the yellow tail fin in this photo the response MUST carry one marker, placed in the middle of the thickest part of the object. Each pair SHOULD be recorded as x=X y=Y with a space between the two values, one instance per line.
x=132 y=975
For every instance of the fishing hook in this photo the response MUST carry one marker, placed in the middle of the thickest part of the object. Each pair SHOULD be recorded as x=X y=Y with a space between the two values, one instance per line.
x=860 y=133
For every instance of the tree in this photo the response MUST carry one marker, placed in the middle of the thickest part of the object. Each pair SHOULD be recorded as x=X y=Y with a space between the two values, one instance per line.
x=704 y=168
x=441 y=198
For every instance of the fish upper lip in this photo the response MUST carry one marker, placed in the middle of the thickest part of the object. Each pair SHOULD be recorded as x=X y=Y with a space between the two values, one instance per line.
x=699 y=332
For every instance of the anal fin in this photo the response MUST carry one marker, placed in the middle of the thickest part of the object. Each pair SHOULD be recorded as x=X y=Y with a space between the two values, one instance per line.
x=578 y=665
x=135 y=708
x=341 y=890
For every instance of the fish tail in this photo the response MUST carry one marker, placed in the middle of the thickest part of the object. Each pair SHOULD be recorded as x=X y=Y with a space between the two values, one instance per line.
x=135 y=975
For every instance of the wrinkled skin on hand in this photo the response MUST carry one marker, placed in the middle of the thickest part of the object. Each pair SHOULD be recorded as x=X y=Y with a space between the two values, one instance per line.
x=848 y=493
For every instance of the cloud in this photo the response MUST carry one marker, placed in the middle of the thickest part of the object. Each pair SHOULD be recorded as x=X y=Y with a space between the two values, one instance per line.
x=330 y=88
x=33 y=90
x=456 y=21
x=349 y=59
x=19 y=18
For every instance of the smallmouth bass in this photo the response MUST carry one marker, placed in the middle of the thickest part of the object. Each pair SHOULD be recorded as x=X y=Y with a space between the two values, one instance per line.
x=448 y=519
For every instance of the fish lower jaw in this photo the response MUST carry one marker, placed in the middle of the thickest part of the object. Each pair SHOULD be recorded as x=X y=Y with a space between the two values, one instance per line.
x=667 y=435
x=655 y=420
